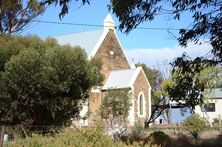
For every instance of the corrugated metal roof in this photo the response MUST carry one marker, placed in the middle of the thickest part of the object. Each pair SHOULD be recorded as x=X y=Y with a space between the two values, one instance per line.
x=215 y=93
x=86 y=40
x=120 y=79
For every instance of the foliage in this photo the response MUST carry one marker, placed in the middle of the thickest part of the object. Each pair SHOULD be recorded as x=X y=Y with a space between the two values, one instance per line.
x=216 y=121
x=68 y=137
x=161 y=105
x=116 y=105
x=86 y=136
x=206 y=16
x=181 y=141
x=206 y=25
x=190 y=84
x=138 y=130
x=10 y=46
x=64 y=4
x=42 y=83
x=211 y=77
x=16 y=15
x=90 y=137
x=163 y=90
x=159 y=138
x=194 y=124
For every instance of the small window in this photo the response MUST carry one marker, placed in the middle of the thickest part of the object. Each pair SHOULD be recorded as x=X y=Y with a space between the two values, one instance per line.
x=111 y=53
x=95 y=89
x=210 y=107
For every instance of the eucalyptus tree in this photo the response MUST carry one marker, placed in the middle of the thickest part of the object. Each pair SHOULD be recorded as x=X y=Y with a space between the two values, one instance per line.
x=15 y=16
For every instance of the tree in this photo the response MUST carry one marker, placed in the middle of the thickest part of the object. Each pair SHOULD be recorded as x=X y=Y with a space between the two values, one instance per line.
x=211 y=77
x=161 y=104
x=64 y=4
x=194 y=124
x=206 y=22
x=191 y=79
x=206 y=18
x=115 y=106
x=44 y=83
x=16 y=15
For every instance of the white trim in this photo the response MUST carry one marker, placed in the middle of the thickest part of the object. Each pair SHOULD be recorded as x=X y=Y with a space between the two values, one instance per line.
x=133 y=79
x=83 y=113
x=138 y=104
x=138 y=69
x=149 y=102
x=98 y=44
x=95 y=89
x=131 y=117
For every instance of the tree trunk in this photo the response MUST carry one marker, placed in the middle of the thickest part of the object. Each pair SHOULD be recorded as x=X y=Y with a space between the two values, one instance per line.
x=2 y=135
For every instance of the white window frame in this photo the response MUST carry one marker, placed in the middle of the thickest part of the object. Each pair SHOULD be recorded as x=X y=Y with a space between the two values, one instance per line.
x=144 y=104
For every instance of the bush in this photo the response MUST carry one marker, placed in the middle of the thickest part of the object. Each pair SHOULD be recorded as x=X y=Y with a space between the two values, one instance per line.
x=84 y=137
x=89 y=137
x=78 y=137
x=216 y=121
x=181 y=141
x=194 y=124
x=138 y=130
x=159 y=138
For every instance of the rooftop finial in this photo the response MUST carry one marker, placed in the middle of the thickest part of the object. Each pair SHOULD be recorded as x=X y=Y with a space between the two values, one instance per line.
x=108 y=22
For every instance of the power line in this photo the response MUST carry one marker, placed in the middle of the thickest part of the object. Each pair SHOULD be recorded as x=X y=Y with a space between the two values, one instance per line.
x=102 y=26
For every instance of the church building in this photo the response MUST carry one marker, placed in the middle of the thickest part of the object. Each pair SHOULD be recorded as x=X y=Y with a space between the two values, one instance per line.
x=117 y=71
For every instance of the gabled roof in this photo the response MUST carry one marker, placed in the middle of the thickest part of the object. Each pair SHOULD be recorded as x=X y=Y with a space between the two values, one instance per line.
x=86 y=40
x=121 y=78
x=214 y=93
x=90 y=41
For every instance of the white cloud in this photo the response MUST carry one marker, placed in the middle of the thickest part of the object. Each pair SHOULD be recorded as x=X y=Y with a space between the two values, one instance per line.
x=163 y=56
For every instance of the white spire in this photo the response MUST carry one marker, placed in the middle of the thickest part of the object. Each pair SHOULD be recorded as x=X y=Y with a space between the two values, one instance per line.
x=108 y=22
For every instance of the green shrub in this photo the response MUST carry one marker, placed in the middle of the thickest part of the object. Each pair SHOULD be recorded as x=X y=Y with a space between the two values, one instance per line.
x=137 y=137
x=194 y=124
x=138 y=130
x=90 y=137
x=159 y=138
x=78 y=137
x=216 y=121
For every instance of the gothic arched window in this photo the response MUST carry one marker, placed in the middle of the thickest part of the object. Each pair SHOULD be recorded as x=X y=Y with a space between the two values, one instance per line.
x=141 y=104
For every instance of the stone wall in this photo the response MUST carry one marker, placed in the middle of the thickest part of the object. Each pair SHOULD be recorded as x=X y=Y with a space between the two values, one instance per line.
x=111 y=54
x=95 y=100
x=113 y=58
x=141 y=85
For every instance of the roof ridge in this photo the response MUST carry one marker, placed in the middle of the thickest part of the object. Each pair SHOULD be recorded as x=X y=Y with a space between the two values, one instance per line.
x=122 y=69
x=78 y=32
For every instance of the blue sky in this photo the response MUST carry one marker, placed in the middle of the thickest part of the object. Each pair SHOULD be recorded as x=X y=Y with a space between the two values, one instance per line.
x=153 y=47
x=95 y=14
